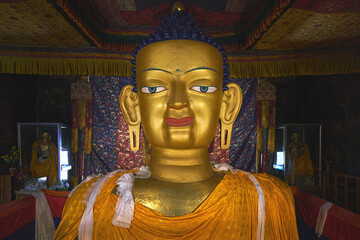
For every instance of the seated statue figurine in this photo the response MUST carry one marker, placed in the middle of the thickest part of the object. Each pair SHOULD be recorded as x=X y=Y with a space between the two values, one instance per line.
x=44 y=159
x=300 y=169
x=182 y=90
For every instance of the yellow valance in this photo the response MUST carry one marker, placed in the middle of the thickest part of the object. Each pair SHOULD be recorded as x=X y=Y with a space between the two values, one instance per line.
x=119 y=65
x=295 y=67
x=65 y=66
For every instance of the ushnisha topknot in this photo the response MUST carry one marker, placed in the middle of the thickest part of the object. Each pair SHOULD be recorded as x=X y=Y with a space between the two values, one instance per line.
x=180 y=25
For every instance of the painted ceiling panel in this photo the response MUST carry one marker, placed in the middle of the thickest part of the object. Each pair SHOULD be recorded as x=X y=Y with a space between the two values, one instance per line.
x=328 y=6
x=120 y=13
x=204 y=18
x=36 y=23
x=111 y=28
x=119 y=24
x=315 y=24
x=213 y=5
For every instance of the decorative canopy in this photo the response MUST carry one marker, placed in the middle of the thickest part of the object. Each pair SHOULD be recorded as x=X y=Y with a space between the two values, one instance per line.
x=262 y=38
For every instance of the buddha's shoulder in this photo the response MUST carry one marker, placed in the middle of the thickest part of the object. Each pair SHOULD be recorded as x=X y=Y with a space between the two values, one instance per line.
x=269 y=184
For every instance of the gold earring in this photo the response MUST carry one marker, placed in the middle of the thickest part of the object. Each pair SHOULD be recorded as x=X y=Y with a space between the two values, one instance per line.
x=225 y=136
x=134 y=132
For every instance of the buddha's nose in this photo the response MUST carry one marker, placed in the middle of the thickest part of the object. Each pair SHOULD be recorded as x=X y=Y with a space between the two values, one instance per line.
x=178 y=97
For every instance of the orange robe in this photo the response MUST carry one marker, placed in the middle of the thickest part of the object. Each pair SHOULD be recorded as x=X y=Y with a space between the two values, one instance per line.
x=230 y=212
x=49 y=167
x=303 y=165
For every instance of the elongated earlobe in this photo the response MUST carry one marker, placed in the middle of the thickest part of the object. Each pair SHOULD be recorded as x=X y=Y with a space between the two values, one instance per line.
x=134 y=133
x=129 y=104
x=225 y=135
x=232 y=100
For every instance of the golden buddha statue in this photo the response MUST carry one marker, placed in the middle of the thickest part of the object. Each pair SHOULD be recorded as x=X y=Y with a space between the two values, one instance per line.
x=179 y=100
x=300 y=169
x=179 y=117
x=44 y=159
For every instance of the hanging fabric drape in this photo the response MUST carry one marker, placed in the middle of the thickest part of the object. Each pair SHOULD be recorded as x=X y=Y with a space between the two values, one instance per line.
x=81 y=127
x=265 y=119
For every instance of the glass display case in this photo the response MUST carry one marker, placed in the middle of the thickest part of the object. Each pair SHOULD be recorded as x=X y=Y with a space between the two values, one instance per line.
x=59 y=134
x=299 y=154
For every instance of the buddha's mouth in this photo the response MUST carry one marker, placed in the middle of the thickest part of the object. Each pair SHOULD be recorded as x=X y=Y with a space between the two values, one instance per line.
x=174 y=122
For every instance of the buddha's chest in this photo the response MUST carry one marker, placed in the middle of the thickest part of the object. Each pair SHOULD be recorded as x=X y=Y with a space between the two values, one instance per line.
x=44 y=150
x=173 y=199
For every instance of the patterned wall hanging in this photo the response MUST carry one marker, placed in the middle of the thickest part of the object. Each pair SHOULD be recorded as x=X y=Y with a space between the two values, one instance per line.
x=265 y=118
x=81 y=126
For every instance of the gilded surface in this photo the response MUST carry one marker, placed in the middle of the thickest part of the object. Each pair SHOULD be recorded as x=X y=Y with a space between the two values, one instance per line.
x=174 y=199
x=184 y=68
x=179 y=103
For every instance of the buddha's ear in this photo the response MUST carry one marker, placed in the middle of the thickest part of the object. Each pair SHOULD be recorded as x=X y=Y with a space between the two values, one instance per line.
x=231 y=104
x=129 y=104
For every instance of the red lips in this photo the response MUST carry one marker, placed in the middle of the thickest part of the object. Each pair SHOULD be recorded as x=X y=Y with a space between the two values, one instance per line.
x=173 y=122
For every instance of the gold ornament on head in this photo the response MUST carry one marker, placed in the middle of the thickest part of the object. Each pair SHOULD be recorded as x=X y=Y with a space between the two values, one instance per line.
x=177 y=5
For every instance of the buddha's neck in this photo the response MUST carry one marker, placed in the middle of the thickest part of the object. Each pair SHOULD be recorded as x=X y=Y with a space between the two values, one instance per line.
x=180 y=165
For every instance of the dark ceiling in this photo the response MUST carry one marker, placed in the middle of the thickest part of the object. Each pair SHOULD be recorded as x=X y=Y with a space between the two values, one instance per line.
x=239 y=24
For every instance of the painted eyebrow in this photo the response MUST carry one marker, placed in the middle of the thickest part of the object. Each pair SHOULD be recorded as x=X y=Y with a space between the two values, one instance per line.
x=156 y=69
x=201 y=68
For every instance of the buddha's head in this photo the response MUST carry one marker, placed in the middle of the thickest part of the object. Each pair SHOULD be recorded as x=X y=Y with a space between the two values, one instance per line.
x=45 y=136
x=179 y=98
x=296 y=137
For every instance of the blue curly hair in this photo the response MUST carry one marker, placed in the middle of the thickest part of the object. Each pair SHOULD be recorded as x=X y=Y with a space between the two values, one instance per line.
x=180 y=25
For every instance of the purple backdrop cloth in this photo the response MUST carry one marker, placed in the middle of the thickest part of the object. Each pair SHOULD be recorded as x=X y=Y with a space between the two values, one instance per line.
x=243 y=137
x=106 y=92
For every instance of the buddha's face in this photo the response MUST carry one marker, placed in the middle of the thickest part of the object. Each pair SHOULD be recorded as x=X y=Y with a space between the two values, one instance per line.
x=180 y=92
x=45 y=136
x=296 y=137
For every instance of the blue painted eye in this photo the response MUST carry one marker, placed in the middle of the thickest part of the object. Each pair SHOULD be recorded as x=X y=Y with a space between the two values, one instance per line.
x=204 y=89
x=152 y=89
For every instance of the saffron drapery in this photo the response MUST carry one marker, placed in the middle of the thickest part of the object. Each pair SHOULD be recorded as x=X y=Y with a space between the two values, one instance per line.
x=230 y=212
